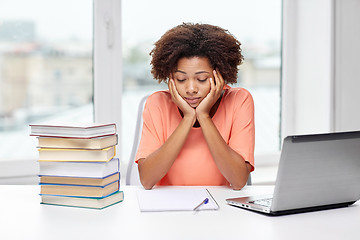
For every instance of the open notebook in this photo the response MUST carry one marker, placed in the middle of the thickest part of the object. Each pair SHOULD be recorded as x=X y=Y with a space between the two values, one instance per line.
x=175 y=199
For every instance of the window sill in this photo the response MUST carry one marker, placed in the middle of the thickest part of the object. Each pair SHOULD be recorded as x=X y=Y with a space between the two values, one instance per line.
x=19 y=171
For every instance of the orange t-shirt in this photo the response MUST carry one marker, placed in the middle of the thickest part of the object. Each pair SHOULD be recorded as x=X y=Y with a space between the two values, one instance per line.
x=194 y=165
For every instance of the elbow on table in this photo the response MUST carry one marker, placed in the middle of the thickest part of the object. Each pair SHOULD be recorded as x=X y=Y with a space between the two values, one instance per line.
x=238 y=185
x=240 y=180
x=146 y=187
x=146 y=184
x=145 y=179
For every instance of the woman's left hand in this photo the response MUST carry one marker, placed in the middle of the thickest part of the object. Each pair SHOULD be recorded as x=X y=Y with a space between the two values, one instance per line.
x=215 y=92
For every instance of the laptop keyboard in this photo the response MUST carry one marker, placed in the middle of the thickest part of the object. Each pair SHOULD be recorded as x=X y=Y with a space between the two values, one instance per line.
x=266 y=202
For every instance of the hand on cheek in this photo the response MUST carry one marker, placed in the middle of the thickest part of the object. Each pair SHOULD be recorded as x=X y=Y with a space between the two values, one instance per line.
x=179 y=101
x=208 y=102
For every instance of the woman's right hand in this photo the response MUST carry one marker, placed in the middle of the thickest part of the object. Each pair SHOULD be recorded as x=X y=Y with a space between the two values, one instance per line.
x=157 y=164
x=186 y=109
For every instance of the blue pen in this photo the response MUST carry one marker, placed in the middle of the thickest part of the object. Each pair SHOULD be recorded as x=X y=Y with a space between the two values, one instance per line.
x=206 y=200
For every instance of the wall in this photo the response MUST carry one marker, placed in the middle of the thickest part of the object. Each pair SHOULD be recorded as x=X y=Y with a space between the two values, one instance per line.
x=320 y=73
x=347 y=68
x=307 y=67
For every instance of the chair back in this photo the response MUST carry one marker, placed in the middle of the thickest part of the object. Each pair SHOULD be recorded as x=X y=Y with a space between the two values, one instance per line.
x=132 y=174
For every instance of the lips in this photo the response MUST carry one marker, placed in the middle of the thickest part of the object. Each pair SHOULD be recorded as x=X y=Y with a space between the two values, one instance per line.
x=192 y=100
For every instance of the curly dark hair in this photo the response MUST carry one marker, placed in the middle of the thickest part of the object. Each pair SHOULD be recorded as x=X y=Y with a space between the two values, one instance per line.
x=197 y=40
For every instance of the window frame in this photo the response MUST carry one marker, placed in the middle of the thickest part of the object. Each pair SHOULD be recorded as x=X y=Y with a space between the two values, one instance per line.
x=107 y=61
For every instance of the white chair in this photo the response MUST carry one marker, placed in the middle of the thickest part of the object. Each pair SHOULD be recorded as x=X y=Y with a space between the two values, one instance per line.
x=132 y=174
x=249 y=182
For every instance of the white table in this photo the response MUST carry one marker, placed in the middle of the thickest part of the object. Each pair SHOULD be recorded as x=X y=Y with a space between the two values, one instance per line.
x=23 y=217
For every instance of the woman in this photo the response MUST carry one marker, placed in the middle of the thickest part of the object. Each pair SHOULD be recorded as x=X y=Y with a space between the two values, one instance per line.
x=200 y=131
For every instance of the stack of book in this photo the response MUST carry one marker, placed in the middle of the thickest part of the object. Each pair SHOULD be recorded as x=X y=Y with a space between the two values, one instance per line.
x=77 y=163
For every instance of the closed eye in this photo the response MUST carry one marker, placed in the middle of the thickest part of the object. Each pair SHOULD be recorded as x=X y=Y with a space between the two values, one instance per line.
x=202 y=80
x=180 y=80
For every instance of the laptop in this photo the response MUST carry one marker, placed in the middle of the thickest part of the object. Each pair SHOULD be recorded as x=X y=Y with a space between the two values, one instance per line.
x=316 y=172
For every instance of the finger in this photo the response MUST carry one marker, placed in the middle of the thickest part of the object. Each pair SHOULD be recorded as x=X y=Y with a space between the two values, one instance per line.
x=220 y=76
x=219 y=81
x=169 y=83
x=212 y=85
x=175 y=94
x=171 y=88
x=215 y=76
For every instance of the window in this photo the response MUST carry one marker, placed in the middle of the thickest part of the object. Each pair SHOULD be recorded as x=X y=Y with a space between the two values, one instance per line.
x=256 y=24
x=45 y=69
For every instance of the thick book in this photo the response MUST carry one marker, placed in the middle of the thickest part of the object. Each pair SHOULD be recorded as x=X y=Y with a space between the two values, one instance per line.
x=79 y=169
x=78 y=143
x=79 y=190
x=73 y=130
x=80 y=180
x=84 y=202
x=76 y=155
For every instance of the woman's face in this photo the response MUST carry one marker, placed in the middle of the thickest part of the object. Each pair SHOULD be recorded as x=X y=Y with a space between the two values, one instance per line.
x=192 y=79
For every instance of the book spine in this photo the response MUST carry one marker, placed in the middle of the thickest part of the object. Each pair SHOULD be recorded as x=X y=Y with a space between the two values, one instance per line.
x=73 y=163
x=77 y=185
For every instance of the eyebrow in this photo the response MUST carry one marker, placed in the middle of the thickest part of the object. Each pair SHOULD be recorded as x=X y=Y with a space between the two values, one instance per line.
x=200 y=72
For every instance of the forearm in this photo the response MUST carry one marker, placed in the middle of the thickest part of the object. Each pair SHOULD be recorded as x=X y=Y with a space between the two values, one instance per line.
x=153 y=168
x=230 y=163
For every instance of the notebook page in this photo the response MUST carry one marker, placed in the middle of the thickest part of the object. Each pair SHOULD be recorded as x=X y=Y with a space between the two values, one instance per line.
x=175 y=199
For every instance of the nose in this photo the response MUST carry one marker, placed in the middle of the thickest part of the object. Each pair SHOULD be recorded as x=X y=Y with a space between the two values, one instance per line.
x=191 y=87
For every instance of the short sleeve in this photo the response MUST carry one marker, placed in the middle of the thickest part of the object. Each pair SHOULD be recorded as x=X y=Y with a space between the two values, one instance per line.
x=242 y=136
x=152 y=136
